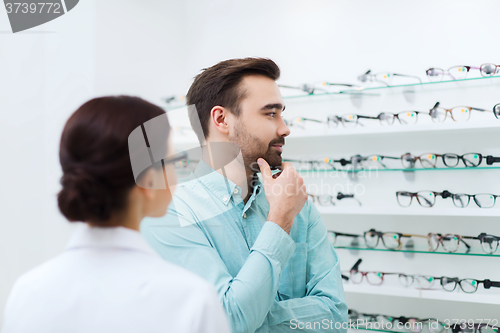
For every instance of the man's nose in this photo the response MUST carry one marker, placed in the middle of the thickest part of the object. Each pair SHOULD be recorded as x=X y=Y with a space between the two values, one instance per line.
x=283 y=129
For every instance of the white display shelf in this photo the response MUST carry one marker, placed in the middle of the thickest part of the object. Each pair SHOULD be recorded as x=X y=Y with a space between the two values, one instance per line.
x=447 y=127
x=431 y=294
x=320 y=136
x=417 y=211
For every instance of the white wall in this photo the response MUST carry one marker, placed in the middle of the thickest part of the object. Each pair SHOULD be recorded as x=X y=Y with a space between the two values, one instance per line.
x=45 y=74
x=153 y=49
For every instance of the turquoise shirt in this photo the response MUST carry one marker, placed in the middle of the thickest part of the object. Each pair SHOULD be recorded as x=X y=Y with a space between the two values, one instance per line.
x=267 y=280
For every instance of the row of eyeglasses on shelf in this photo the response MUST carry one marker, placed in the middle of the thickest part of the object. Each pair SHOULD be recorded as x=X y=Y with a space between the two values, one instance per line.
x=392 y=240
x=373 y=321
x=461 y=200
x=376 y=278
x=408 y=161
x=388 y=79
x=437 y=115
x=425 y=199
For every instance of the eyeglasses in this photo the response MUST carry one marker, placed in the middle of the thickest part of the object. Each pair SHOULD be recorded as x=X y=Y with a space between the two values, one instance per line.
x=496 y=110
x=305 y=87
x=460 y=72
x=467 y=285
x=325 y=200
x=482 y=200
x=457 y=113
x=469 y=159
x=450 y=242
x=424 y=198
x=429 y=160
x=460 y=200
x=377 y=278
x=312 y=165
x=489 y=69
x=373 y=278
x=385 y=118
x=454 y=73
x=332 y=235
x=384 y=77
x=391 y=240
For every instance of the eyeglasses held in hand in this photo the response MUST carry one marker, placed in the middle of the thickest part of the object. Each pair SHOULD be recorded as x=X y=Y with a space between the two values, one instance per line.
x=384 y=77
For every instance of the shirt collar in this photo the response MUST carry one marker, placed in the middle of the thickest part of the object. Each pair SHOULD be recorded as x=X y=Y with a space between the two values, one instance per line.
x=222 y=187
x=86 y=236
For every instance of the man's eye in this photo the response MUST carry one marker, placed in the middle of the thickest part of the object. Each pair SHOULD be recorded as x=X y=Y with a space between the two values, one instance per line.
x=272 y=114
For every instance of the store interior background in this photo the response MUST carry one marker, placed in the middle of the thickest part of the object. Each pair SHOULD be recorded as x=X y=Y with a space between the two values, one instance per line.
x=154 y=48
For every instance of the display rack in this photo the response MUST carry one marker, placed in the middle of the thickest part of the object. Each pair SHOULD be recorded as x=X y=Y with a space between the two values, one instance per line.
x=315 y=141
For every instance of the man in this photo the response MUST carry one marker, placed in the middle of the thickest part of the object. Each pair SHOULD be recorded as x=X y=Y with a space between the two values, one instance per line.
x=261 y=243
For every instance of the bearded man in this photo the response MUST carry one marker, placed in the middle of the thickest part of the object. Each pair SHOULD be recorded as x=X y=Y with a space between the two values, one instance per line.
x=260 y=242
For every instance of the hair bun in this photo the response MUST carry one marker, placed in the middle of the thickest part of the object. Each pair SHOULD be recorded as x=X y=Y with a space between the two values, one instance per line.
x=83 y=197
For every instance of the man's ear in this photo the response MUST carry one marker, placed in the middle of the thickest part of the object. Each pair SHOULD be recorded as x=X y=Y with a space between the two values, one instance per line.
x=220 y=118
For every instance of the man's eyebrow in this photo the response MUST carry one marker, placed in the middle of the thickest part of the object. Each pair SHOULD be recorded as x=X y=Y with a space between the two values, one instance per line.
x=274 y=106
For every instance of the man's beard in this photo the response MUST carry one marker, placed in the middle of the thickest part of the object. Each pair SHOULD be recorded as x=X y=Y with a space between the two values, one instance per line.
x=252 y=148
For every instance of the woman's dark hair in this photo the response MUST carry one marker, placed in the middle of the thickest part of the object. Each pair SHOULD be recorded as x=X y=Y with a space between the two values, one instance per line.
x=95 y=160
x=220 y=85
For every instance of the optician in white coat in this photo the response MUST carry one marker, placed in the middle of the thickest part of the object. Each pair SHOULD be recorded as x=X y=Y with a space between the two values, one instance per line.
x=109 y=279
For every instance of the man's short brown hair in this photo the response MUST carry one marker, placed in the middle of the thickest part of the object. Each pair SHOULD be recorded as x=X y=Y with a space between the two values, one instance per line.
x=220 y=85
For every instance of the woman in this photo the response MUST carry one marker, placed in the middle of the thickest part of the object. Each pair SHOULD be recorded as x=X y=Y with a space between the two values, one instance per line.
x=109 y=279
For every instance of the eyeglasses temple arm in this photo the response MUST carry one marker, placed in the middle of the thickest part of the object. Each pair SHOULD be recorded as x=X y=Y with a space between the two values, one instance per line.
x=347 y=235
x=490 y=159
x=467 y=245
x=309 y=119
x=488 y=284
x=356 y=265
x=413 y=76
x=482 y=110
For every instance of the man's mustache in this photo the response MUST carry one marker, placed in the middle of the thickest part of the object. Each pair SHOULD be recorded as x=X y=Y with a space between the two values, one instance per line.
x=279 y=141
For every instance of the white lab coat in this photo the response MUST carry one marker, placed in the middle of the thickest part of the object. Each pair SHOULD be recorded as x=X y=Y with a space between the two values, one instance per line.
x=110 y=280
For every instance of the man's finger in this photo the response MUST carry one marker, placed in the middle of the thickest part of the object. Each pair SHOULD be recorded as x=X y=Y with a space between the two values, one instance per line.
x=264 y=169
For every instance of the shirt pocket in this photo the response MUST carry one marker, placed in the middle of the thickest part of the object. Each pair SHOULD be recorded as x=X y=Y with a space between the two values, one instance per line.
x=293 y=278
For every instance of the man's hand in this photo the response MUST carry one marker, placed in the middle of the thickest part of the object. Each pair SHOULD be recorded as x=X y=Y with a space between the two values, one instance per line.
x=285 y=193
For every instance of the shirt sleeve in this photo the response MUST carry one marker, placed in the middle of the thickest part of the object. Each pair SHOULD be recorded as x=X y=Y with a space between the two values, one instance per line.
x=324 y=306
x=247 y=297
x=211 y=317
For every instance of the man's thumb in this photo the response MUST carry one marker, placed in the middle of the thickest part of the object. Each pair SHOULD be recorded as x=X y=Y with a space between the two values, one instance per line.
x=264 y=168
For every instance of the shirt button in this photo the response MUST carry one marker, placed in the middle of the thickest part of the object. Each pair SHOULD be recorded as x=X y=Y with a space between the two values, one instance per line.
x=244 y=215
x=224 y=199
x=235 y=191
